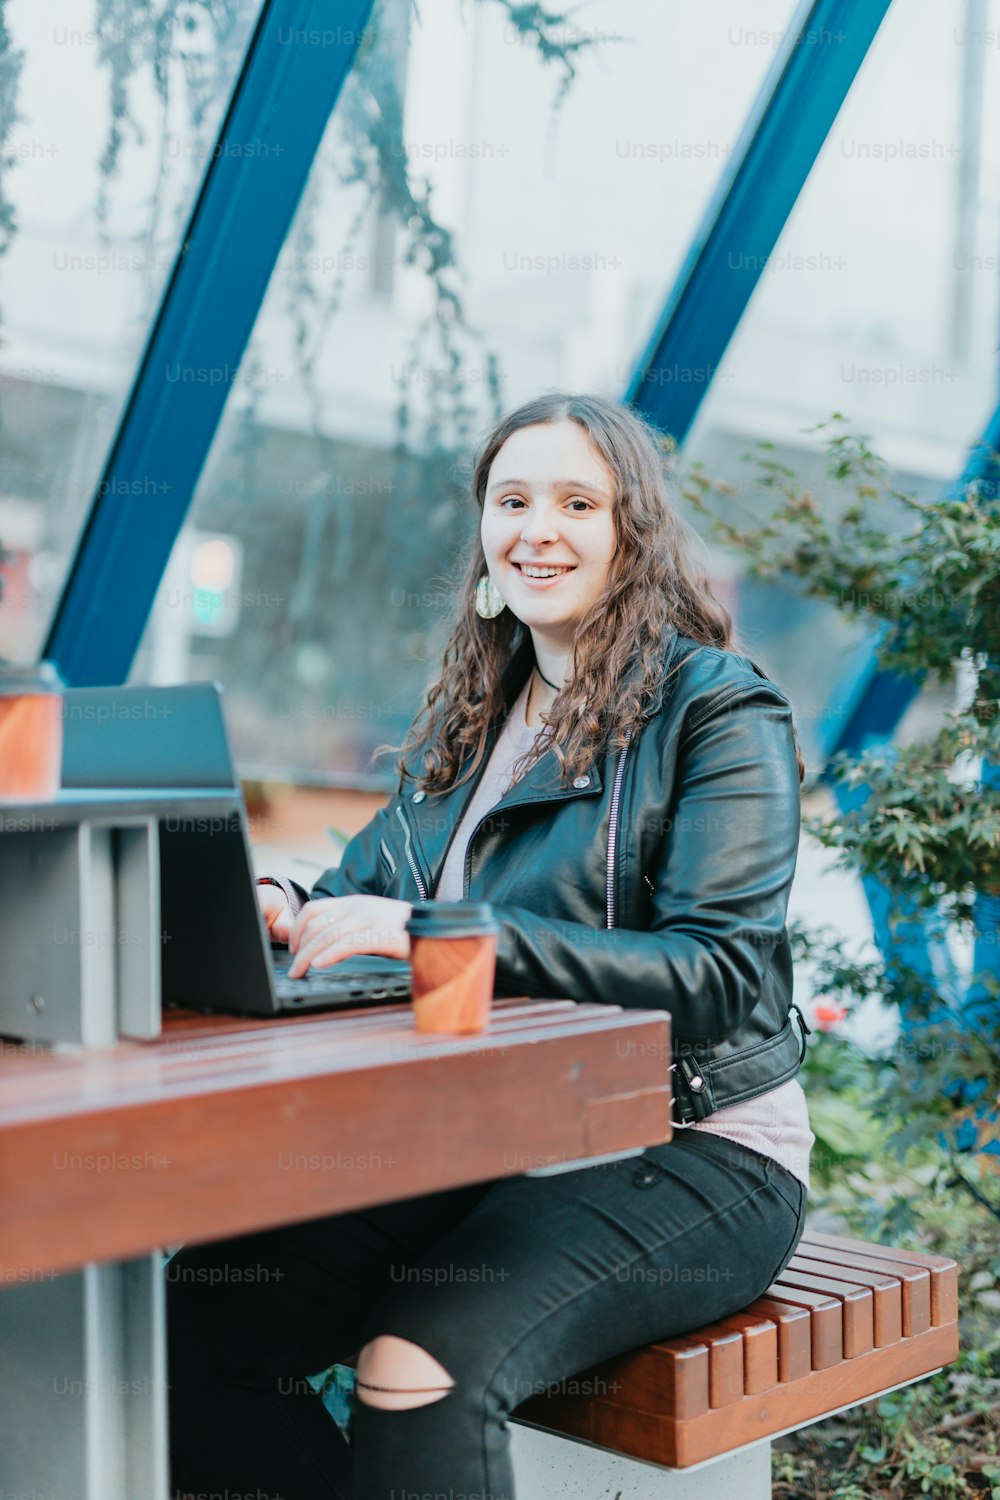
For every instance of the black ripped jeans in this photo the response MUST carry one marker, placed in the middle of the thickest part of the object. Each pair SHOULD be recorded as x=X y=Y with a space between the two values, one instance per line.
x=514 y=1285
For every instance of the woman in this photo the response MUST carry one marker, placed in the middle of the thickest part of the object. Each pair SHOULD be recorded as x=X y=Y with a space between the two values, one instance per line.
x=641 y=854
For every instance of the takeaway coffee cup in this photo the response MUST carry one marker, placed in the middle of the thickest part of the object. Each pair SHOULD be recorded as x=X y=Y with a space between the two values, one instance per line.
x=31 y=725
x=453 y=954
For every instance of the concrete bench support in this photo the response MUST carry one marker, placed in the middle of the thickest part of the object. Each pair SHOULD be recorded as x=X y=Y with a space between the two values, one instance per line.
x=547 y=1467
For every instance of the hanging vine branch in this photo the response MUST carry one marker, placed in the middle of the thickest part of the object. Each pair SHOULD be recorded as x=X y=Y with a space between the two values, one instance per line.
x=198 y=37
x=556 y=39
x=373 y=157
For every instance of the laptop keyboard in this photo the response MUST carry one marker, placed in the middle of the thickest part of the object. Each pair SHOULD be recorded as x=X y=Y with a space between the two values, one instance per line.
x=343 y=981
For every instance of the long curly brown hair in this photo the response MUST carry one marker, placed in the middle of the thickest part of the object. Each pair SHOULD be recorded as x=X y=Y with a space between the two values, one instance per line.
x=654 y=588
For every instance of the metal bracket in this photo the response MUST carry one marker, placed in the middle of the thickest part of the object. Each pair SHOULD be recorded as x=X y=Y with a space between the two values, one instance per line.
x=80 y=957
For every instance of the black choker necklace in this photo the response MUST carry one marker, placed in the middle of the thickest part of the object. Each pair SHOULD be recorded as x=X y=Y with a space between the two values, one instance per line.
x=542 y=675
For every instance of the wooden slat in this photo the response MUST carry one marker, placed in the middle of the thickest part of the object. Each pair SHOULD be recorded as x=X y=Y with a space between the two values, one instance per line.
x=826 y=1321
x=858 y=1310
x=760 y=1350
x=683 y=1367
x=794 y=1327
x=887 y=1306
x=725 y=1363
x=725 y=1366
x=943 y=1271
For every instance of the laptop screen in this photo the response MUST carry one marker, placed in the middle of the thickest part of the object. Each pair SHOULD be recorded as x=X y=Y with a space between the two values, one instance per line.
x=214 y=946
x=133 y=737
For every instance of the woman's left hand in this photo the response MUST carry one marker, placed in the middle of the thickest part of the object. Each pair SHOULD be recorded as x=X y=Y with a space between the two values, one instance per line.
x=336 y=927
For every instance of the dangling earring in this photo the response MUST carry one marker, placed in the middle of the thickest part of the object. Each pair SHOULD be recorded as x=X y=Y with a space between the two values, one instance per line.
x=489 y=600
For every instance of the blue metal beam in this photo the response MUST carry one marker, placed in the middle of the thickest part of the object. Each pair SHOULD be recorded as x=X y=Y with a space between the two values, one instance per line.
x=864 y=709
x=299 y=56
x=866 y=703
x=806 y=85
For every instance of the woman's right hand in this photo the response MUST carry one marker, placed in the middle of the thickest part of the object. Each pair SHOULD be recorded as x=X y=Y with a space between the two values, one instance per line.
x=275 y=910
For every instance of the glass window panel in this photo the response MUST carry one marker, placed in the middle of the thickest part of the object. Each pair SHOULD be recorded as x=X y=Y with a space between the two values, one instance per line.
x=458 y=249
x=109 y=117
x=880 y=302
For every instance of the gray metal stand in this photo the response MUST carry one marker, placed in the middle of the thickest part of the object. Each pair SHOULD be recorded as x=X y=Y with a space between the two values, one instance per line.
x=81 y=950
x=83 y=1392
x=84 y=1380
x=80 y=958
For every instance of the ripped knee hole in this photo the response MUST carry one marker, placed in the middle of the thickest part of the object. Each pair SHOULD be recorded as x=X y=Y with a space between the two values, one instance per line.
x=395 y=1374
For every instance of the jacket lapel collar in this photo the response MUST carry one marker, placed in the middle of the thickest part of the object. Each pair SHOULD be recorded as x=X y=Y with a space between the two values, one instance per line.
x=435 y=816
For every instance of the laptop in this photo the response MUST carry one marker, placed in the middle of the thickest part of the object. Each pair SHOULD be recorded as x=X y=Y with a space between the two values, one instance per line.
x=216 y=951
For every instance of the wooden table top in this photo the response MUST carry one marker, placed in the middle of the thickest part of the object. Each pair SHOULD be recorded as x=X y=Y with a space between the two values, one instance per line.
x=226 y=1125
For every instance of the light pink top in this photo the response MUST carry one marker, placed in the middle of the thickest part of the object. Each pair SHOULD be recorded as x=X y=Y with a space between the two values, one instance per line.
x=775 y=1124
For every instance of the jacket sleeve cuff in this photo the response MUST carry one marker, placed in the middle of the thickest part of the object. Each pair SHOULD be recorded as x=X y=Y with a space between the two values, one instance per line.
x=290 y=889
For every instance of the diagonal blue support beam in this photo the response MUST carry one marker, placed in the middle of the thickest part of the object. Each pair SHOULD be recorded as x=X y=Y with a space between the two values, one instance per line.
x=865 y=705
x=863 y=710
x=295 y=65
x=806 y=85
x=909 y=943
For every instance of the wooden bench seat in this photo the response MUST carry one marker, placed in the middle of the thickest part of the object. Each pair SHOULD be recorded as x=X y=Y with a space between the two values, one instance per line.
x=843 y=1322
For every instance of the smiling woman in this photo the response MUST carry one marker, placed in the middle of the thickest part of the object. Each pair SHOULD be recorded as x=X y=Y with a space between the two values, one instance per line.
x=599 y=763
x=549 y=541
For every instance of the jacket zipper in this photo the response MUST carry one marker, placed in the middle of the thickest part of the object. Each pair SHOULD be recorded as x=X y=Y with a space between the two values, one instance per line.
x=613 y=829
x=410 y=859
x=390 y=863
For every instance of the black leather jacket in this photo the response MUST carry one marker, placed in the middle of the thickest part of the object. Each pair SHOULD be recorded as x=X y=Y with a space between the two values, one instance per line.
x=660 y=879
